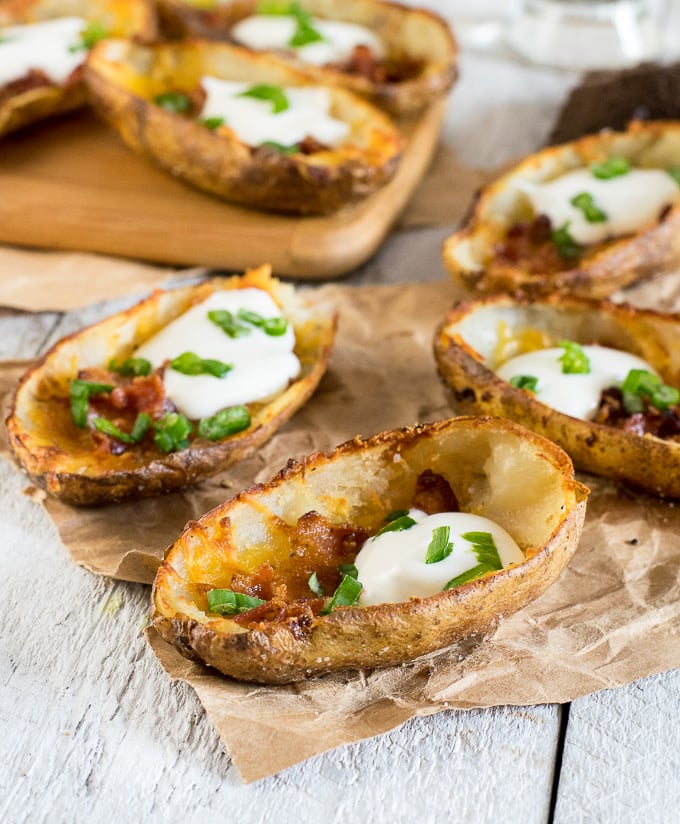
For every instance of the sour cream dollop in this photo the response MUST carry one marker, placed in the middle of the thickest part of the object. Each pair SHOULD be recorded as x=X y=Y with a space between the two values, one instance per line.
x=52 y=47
x=392 y=566
x=274 y=31
x=629 y=201
x=255 y=122
x=576 y=394
x=263 y=364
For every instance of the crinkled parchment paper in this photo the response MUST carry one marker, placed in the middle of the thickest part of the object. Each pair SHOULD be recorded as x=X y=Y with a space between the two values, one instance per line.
x=612 y=617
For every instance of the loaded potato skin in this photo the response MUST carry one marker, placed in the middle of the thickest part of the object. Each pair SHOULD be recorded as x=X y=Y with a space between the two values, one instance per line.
x=34 y=96
x=126 y=83
x=507 y=245
x=476 y=337
x=83 y=466
x=418 y=67
x=354 y=487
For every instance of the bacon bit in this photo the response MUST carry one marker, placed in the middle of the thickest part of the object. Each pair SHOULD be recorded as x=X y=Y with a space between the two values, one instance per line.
x=363 y=63
x=529 y=244
x=660 y=423
x=433 y=494
x=310 y=145
x=259 y=585
x=35 y=79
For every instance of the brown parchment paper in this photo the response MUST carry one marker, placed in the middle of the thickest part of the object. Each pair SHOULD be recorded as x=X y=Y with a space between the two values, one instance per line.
x=612 y=617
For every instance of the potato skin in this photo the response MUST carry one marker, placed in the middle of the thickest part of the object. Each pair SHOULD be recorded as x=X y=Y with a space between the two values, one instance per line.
x=134 y=18
x=653 y=250
x=53 y=452
x=407 y=32
x=383 y=467
x=645 y=462
x=123 y=78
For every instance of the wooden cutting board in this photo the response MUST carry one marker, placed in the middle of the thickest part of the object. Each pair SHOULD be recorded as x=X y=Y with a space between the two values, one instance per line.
x=72 y=184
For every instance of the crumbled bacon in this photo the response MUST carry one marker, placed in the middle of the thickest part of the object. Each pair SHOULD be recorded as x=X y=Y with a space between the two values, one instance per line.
x=660 y=423
x=433 y=494
x=364 y=63
x=529 y=244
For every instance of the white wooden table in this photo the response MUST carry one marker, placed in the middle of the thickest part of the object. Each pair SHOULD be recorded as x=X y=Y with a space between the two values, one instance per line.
x=92 y=727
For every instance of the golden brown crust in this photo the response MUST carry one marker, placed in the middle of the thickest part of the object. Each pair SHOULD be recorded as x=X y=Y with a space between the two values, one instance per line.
x=465 y=347
x=123 y=79
x=470 y=254
x=494 y=467
x=135 y=19
x=409 y=34
x=61 y=459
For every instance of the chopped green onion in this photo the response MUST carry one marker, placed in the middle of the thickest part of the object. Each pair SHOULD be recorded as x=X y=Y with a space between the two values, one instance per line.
x=484 y=547
x=279 y=147
x=348 y=569
x=228 y=602
x=80 y=392
x=315 y=586
x=278 y=7
x=171 y=432
x=528 y=382
x=674 y=172
x=189 y=363
x=89 y=36
x=305 y=32
x=439 y=547
x=131 y=367
x=397 y=525
x=612 y=167
x=274 y=94
x=592 y=213
x=175 y=102
x=212 y=123
x=665 y=396
x=574 y=360
x=346 y=595
x=565 y=243
x=275 y=327
x=139 y=429
x=228 y=323
x=398 y=513
x=642 y=382
x=225 y=422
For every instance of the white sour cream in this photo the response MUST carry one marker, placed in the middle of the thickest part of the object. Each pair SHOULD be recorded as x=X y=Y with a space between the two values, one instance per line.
x=274 y=31
x=577 y=394
x=263 y=364
x=629 y=201
x=43 y=46
x=254 y=121
x=392 y=566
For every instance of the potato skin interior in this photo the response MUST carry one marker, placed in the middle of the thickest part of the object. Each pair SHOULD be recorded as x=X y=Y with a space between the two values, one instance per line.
x=493 y=467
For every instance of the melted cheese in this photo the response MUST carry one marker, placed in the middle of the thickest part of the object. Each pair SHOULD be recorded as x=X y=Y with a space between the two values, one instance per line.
x=392 y=566
x=274 y=31
x=43 y=46
x=629 y=201
x=263 y=364
x=577 y=395
x=254 y=121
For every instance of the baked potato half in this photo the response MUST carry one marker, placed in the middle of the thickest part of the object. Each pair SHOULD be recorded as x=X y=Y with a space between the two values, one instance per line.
x=640 y=448
x=407 y=60
x=511 y=243
x=29 y=93
x=65 y=448
x=137 y=90
x=287 y=540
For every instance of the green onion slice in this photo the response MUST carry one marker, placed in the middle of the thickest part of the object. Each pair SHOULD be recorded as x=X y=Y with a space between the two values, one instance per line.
x=439 y=547
x=189 y=363
x=574 y=360
x=565 y=243
x=612 y=167
x=228 y=323
x=305 y=32
x=485 y=549
x=397 y=525
x=275 y=327
x=348 y=569
x=674 y=172
x=280 y=147
x=315 y=586
x=171 y=432
x=528 y=382
x=346 y=595
x=140 y=427
x=175 y=102
x=274 y=7
x=227 y=421
x=81 y=392
x=274 y=94
x=641 y=382
x=212 y=123
x=89 y=36
x=592 y=213
x=228 y=602
x=135 y=367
